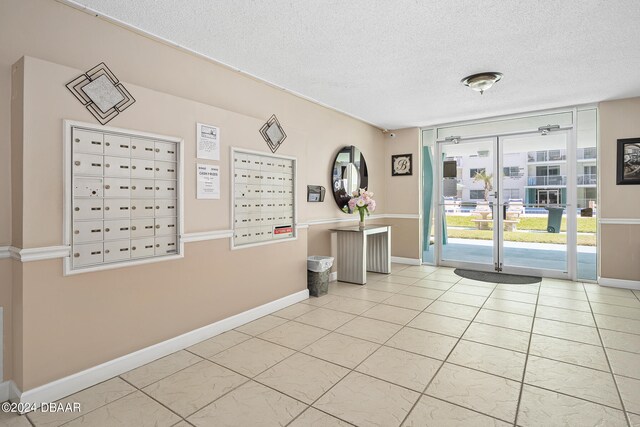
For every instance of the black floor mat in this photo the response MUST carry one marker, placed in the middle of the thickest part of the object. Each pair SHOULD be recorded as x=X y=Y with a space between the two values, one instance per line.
x=484 y=276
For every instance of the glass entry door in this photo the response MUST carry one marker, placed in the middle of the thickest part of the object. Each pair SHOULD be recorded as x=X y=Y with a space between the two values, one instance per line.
x=503 y=203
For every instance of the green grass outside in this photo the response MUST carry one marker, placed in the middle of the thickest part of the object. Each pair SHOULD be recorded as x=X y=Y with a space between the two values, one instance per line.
x=585 y=225
x=514 y=236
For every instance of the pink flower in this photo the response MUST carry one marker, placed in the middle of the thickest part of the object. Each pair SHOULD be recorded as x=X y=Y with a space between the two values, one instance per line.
x=352 y=203
x=372 y=205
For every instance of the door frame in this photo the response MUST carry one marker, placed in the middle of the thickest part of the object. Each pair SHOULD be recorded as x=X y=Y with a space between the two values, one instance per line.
x=498 y=248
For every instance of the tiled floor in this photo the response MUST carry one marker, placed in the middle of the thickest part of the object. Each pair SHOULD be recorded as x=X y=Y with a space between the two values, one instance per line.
x=420 y=347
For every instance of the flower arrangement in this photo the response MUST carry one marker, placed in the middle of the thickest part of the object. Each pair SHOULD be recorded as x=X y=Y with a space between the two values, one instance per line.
x=361 y=202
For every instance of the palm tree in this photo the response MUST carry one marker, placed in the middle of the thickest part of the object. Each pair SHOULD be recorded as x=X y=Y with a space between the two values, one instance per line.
x=487 y=179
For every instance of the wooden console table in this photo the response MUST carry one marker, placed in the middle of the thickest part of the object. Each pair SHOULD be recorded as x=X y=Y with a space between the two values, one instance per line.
x=365 y=250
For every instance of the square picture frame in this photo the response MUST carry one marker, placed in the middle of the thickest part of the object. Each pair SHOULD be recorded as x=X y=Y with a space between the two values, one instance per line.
x=628 y=162
x=402 y=165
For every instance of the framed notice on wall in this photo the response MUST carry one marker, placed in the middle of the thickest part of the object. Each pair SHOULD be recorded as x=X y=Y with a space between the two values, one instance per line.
x=208 y=181
x=208 y=141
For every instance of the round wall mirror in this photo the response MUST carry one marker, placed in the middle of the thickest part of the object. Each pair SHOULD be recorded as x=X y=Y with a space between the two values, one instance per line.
x=349 y=174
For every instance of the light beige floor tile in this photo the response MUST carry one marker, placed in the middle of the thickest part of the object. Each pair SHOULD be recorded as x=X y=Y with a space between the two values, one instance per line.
x=585 y=383
x=634 y=420
x=500 y=337
x=594 y=288
x=564 y=315
x=465 y=312
x=444 y=277
x=261 y=325
x=423 y=268
x=385 y=287
x=182 y=423
x=431 y=412
x=208 y=348
x=252 y=404
x=400 y=367
x=472 y=290
x=161 y=368
x=527 y=289
x=440 y=324
x=193 y=388
x=570 y=304
x=350 y=305
x=413 y=274
x=491 y=395
x=385 y=404
x=506 y=320
x=396 y=266
x=465 y=299
x=371 y=276
x=294 y=311
x=564 y=293
x=303 y=377
x=422 y=342
x=489 y=359
x=406 y=301
x=89 y=400
x=252 y=356
x=616 y=310
x=417 y=291
x=389 y=313
x=620 y=340
x=325 y=318
x=136 y=409
x=625 y=363
x=400 y=280
x=514 y=296
x=568 y=331
x=319 y=301
x=341 y=349
x=314 y=418
x=618 y=324
x=369 y=329
x=294 y=335
x=561 y=284
x=477 y=283
x=626 y=301
x=590 y=356
x=363 y=293
x=433 y=284
x=13 y=419
x=510 y=306
x=629 y=391
x=543 y=408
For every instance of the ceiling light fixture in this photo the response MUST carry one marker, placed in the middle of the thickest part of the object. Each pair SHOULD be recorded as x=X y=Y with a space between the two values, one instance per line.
x=481 y=81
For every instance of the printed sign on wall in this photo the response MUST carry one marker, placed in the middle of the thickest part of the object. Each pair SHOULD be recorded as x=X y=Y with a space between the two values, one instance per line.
x=208 y=181
x=208 y=140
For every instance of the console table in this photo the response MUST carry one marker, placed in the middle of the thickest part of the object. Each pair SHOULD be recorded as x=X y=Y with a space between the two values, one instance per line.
x=365 y=250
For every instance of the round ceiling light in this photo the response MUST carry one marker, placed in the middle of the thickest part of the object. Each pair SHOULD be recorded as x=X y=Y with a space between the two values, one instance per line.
x=481 y=81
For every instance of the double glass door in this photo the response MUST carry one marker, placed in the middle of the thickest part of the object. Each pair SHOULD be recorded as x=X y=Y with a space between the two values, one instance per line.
x=500 y=207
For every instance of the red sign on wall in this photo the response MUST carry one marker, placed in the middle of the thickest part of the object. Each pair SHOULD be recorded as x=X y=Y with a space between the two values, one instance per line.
x=283 y=229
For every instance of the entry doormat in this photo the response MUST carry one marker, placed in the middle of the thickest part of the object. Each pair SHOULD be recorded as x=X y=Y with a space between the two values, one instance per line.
x=483 y=276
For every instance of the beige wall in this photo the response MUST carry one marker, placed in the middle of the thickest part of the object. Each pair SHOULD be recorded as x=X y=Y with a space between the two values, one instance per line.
x=619 y=247
x=90 y=318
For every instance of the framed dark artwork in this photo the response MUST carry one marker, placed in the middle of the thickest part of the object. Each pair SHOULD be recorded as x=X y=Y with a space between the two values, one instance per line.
x=401 y=164
x=100 y=91
x=628 y=162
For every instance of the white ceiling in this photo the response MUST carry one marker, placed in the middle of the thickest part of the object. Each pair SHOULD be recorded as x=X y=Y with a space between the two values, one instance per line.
x=398 y=63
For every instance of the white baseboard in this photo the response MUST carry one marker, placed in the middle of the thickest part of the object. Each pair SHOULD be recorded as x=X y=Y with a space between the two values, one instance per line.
x=73 y=383
x=333 y=277
x=410 y=261
x=9 y=391
x=619 y=283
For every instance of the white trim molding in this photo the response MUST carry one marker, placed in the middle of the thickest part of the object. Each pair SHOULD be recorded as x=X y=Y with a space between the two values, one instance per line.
x=354 y=217
x=333 y=277
x=39 y=254
x=410 y=261
x=207 y=235
x=619 y=283
x=620 y=221
x=5 y=252
x=9 y=391
x=73 y=383
x=402 y=216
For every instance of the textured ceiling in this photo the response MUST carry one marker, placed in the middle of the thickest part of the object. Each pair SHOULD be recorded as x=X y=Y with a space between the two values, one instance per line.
x=398 y=63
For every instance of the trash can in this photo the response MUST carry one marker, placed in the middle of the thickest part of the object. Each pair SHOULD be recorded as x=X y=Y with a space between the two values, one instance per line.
x=554 y=220
x=318 y=271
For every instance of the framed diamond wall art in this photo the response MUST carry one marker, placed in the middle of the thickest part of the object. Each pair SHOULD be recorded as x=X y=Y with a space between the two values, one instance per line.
x=273 y=133
x=100 y=91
